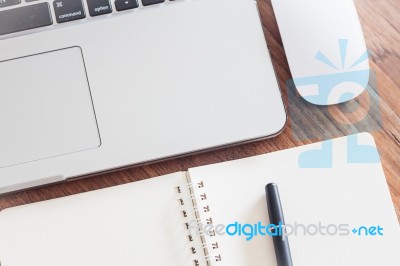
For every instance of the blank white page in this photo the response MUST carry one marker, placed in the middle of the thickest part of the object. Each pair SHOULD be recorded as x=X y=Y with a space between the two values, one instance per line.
x=353 y=191
x=135 y=224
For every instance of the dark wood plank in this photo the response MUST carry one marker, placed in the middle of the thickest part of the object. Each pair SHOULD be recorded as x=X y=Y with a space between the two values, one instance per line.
x=381 y=24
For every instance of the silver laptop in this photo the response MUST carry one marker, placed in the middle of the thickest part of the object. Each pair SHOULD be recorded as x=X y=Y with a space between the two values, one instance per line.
x=88 y=86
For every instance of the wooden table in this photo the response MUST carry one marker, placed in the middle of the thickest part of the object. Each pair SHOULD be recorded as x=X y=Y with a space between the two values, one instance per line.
x=381 y=22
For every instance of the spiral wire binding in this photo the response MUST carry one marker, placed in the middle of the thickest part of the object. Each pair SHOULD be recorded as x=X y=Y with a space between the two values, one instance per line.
x=209 y=249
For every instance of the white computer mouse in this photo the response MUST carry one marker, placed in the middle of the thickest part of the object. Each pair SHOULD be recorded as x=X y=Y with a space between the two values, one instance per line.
x=325 y=48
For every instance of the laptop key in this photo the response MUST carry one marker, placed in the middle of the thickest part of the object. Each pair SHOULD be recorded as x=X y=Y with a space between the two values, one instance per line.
x=126 y=4
x=25 y=18
x=151 y=2
x=99 y=7
x=68 y=10
x=4 y=3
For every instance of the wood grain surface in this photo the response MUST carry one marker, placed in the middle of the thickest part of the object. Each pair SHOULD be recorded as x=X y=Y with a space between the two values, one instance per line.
x=381 y=24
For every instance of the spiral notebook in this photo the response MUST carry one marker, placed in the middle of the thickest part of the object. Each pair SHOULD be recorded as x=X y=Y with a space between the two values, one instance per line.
x=162 y=221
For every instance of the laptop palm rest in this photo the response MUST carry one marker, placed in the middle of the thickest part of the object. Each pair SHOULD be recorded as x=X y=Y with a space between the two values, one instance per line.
x=47 y=111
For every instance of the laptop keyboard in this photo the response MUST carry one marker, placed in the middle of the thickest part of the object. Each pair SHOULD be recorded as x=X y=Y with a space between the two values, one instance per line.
x=29 y=15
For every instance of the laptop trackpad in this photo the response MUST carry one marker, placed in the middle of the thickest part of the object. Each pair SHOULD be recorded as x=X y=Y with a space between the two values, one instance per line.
x=46 y=108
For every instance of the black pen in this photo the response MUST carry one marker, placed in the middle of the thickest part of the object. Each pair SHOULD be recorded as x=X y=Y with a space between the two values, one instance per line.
x=281 y=243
